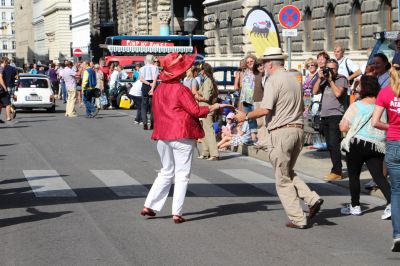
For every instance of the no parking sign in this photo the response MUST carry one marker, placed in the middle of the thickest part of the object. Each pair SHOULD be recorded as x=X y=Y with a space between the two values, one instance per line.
x=289 y=17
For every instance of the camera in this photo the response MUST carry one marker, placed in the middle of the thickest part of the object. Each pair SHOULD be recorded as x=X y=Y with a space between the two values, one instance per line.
x=326 y=71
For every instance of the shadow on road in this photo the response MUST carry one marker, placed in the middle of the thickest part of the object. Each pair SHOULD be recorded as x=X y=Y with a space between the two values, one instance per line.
x=36 y=215
x=227 y=209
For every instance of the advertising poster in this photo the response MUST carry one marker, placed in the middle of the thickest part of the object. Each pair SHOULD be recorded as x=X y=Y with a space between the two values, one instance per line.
x=261 y=30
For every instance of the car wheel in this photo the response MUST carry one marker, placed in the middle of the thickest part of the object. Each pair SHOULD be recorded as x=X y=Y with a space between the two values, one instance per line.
x=51 y=109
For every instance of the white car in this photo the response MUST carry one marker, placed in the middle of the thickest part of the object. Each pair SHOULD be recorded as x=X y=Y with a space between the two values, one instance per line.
x=34 y=91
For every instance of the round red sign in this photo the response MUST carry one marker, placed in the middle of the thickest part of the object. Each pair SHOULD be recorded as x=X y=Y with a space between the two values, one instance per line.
x=289 y=17
x=78 y=52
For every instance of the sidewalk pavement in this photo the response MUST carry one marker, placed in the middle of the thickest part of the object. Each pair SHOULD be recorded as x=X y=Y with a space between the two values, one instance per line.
x=317 y=164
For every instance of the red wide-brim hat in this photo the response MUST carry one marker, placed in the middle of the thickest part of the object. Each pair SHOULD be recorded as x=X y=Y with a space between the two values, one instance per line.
x=175 y=64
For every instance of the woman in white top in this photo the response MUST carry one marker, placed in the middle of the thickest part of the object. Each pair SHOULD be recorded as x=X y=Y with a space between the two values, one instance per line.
x=190 y=81
x=113 y=85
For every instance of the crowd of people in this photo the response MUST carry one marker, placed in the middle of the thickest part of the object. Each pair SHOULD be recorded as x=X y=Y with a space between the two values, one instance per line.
x=343 y=102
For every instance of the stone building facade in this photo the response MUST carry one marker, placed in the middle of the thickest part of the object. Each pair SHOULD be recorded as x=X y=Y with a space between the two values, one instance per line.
x=350 y=22
x=7 y=29
x=57 y=28
x=24 y=32
x=139 y=17
x=43 y=30
x=80 y=27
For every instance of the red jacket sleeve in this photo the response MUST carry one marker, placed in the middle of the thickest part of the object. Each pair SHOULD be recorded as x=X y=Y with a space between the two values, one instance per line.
x=189 y=104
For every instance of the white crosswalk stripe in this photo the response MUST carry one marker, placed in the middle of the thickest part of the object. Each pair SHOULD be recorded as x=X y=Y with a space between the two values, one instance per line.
x=204 y=188
x=121 y=183
x=48 y=183
x=259 y=181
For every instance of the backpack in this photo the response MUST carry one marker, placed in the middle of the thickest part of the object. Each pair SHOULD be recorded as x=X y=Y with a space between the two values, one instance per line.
x=92 y=78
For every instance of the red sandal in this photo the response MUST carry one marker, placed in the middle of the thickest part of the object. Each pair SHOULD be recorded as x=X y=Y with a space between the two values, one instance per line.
x=178 y=219
x=147 y=212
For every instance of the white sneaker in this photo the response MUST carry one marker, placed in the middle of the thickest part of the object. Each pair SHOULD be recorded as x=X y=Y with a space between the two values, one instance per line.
x=396 y=245
x=135 y=122
x=350 y=210
x=387 y=213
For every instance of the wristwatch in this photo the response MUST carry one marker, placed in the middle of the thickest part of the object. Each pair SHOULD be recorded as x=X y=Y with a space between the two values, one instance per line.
x=247 y=117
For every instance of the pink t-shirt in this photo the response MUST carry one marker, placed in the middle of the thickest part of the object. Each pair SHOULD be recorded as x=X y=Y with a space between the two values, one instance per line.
x=387 y=99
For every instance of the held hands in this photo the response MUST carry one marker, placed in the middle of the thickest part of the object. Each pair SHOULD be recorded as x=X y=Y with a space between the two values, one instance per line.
x=217 y=106
x=214 y=107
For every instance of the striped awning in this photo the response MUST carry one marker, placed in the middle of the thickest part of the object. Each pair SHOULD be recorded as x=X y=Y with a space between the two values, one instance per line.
x=149 y=49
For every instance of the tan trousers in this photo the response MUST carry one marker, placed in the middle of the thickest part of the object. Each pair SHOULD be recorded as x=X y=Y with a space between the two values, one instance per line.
x=209 y=142
x=262 y=131
x=70 y=108
x=284 y=146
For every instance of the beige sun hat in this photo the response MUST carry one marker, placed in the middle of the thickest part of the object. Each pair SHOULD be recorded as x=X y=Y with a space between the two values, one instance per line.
x=272 y=53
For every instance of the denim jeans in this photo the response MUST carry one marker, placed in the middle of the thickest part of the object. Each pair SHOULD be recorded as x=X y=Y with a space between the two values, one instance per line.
x=146 y=104
x=252 y=122
x=331 y=132
x=392 y=159
x=88 y=100
x=63 y=90
x=138 y=103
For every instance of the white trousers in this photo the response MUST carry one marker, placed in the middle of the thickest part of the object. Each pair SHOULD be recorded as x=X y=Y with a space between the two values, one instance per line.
x=176 y=159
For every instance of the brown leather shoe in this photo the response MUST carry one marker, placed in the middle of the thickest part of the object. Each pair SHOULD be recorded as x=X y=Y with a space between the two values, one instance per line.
x=313 y=210
x=295 y=226
x=333 y=177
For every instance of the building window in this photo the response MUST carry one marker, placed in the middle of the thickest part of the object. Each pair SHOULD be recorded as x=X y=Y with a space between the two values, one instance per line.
x=330 y=31
x=3 y=2
x=308 y=29
x=4 y=45
x=3 y=16
x=386 y=15
x=14 y=45
x=217 y=38
x=356 y=23
x=229 y=37
x=12 y=2
x=12 y=16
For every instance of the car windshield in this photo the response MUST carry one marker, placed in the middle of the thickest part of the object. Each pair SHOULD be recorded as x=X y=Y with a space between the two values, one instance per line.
x=33 y=83
x=386 y=47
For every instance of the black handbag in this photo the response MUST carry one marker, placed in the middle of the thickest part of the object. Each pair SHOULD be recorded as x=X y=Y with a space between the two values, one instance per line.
x=3 y=92
x=316 y=121
x=96 y=92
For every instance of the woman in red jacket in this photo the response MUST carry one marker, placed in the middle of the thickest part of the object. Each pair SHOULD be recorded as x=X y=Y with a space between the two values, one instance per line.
x=176 y=127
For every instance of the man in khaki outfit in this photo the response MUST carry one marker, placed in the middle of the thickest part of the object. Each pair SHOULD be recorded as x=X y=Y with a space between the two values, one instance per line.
x=207 y=96
x=283 y=105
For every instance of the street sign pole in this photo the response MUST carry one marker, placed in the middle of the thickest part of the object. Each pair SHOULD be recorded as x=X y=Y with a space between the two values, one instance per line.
x=289 y=18
x=289 y=47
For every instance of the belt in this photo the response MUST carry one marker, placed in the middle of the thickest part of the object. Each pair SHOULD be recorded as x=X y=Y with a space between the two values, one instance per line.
x=288 y=126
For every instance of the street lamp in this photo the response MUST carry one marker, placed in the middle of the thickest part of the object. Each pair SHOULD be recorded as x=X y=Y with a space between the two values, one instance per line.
x=189 y=24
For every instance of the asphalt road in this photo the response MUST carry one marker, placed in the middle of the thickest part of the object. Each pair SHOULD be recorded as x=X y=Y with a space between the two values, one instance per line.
x=71 y=191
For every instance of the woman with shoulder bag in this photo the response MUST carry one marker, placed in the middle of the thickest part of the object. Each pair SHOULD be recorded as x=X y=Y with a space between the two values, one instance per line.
x=364 y=144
